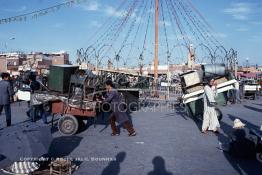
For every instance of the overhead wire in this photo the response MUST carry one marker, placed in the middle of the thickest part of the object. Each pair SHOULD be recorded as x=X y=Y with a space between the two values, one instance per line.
x=147 y=26
x=116 y=24
x=184 y=18
x=174 y=28
x=179 y=24
x=132 y=25
x=199 y=34
x=196 y=23
x=165 y=29
x=121 y=27
x=205 y=24
x=105 y=23
x=138 y=29
x=37 y=13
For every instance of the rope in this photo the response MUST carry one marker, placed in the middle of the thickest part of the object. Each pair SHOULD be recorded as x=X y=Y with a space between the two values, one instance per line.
x=166 y=38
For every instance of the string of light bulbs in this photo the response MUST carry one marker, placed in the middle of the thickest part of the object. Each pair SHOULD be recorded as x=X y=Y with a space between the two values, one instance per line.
x=39 y=13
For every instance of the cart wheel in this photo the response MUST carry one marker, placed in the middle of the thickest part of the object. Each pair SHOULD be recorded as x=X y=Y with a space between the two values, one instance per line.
x=68 y=125
x=259 y=157
x=46 y=107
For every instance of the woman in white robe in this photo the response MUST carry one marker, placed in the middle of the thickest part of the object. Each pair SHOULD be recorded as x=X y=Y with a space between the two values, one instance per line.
x=210 y=120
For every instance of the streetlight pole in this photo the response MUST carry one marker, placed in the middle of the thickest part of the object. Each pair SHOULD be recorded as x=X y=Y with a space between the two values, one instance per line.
x=117 y=60
x=97 y=54
x=168 y=76
x=6 y=63
x=236 y=67
x=247 y=59
x=140 y=63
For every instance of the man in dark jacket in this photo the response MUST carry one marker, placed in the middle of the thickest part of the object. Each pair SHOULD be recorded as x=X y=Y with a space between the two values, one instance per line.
x=6 y=94
x=35 y=109
x=118 y=112
x=243 y=144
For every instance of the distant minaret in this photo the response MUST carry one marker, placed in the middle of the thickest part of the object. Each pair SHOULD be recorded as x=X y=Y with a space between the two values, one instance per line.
x=191 y=57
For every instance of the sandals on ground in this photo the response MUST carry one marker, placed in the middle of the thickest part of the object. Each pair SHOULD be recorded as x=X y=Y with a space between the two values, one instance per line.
x=115 y=134
x=204 y=131
x=132 y=134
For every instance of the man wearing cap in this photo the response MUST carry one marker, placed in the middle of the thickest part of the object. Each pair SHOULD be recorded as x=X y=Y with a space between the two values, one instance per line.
x=238 y=124
x=237 y=93
x=242 y=142
x=118 y=112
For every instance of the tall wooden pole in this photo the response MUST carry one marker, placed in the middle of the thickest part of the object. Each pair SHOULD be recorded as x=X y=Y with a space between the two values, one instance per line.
x=156 y=47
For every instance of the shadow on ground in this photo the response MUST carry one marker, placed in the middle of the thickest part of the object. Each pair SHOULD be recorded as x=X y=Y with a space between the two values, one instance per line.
x=61 y=147
x=113 y=167
x=2 y=157
x=178 y=110
x=253 y=108
x=257 y=104
x=159 y=167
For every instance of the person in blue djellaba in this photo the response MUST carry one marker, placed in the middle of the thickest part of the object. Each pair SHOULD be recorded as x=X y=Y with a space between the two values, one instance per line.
x=6 y=94
x=118 y=114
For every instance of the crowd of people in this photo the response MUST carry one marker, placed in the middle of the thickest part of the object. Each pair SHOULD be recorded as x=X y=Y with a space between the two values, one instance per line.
x=9 y=86
x=112 y=97
x=240 y=143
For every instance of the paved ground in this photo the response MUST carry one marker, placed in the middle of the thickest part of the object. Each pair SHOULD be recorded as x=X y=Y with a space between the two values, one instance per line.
x=168 y=142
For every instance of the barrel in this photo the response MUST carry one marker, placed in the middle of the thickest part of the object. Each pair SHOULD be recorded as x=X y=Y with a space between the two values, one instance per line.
x=221 y=99
x=213 y=70
x=196 y=108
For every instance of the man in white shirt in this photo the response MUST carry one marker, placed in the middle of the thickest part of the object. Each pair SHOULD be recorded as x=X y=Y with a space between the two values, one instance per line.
x=237 y=93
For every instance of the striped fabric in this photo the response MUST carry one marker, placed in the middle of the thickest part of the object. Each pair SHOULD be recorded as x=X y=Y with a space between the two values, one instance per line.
x=24 y=167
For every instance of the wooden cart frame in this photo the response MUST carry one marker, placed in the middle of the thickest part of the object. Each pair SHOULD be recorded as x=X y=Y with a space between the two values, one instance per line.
x=71 y=118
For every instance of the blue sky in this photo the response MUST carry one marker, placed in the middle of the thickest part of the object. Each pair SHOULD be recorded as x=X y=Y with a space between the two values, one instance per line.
x=237 y=24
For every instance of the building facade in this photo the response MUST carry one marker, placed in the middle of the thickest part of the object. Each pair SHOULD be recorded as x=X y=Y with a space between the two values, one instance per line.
x=10 y=62
x=15 y=62
x=59 y=58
